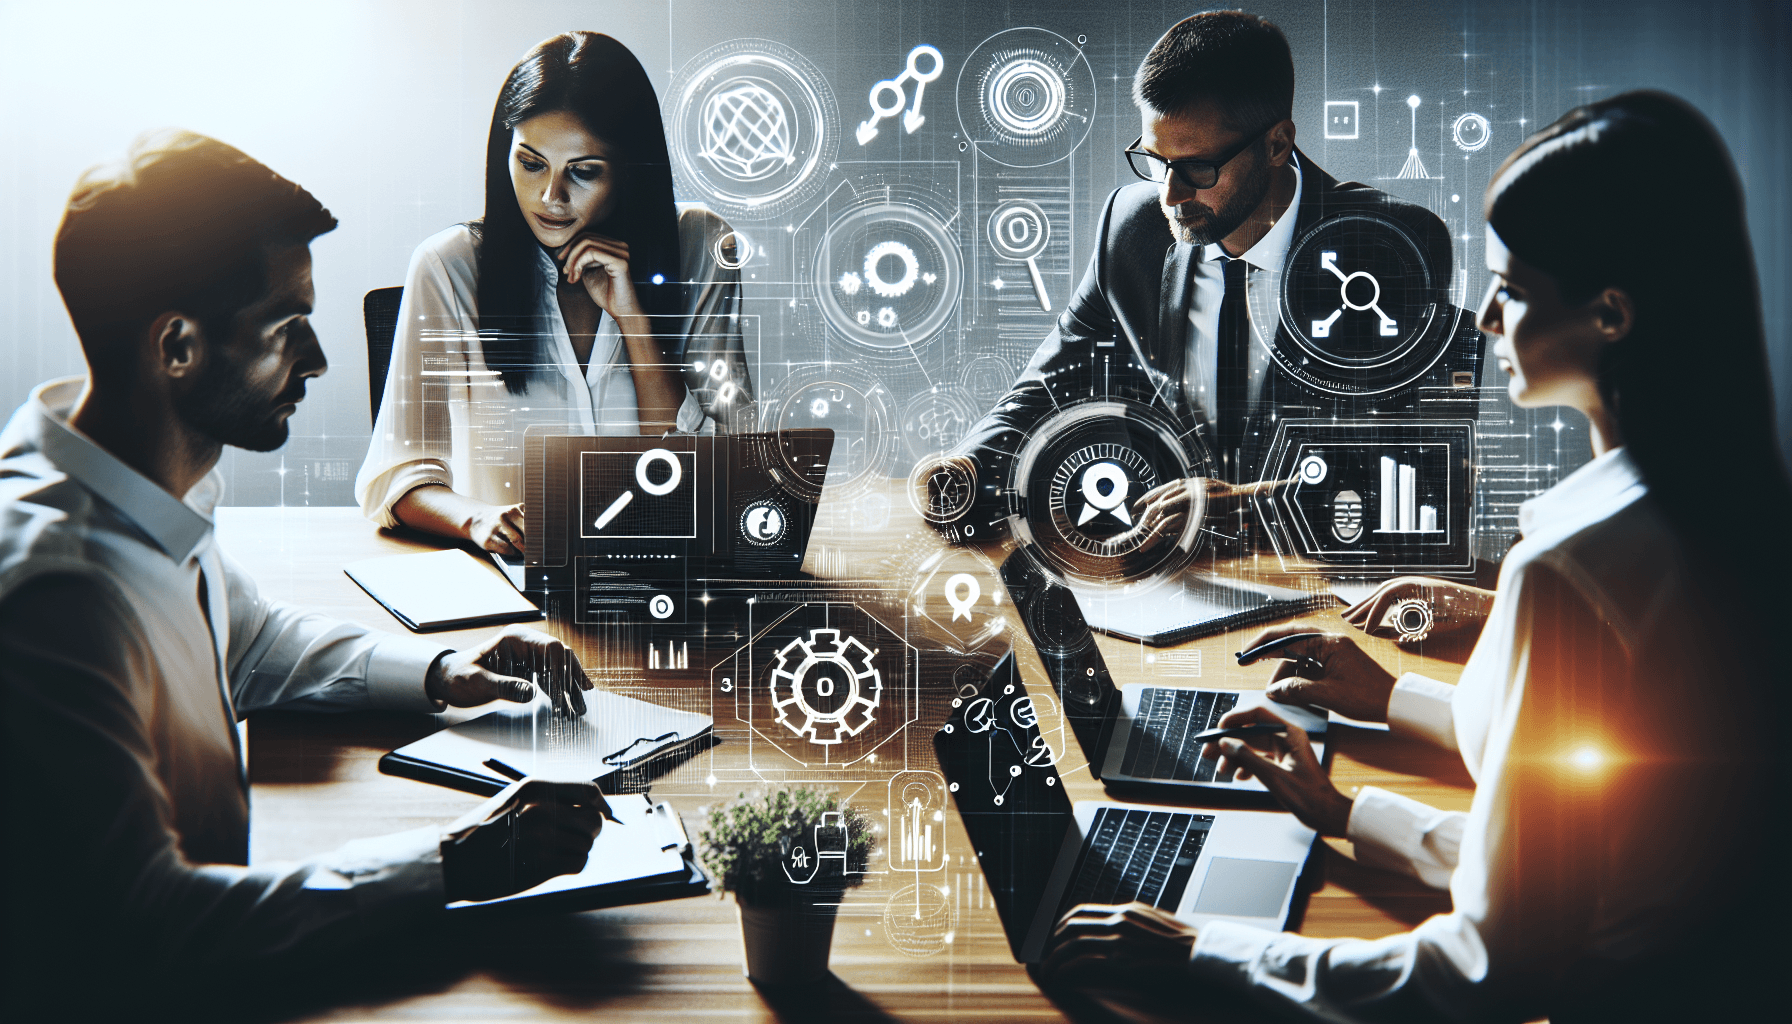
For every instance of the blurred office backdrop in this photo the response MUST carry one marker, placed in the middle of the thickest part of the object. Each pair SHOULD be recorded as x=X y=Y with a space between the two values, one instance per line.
x=381 y=110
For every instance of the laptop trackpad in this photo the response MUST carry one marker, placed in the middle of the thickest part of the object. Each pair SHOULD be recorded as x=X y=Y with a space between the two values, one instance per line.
x=1245 y=888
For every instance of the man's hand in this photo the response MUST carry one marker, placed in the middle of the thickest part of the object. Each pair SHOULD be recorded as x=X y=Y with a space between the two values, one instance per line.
x=1287 y=767
x=497 y=528
x=1167 y=510
x=522 y=837
x=1132 y=946
x=1454 y=607
x=1348 y=681
x=504 y=668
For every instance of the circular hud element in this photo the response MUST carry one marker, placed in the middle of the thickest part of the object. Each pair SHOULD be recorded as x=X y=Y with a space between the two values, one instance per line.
x=1026 y=97
x=856 y=407
x=1076 y=484
x=887 y=275
x=1361 y=306
x=936 y=419
x=942 y=489
x=754 y=127
x=919 y=920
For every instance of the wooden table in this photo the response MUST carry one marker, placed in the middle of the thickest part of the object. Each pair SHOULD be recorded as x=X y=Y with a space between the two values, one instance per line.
x=316 y=784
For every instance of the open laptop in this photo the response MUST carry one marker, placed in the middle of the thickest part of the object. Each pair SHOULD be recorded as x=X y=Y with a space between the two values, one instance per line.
x=1137 y=733
x=1042 y=854
x=632 y=527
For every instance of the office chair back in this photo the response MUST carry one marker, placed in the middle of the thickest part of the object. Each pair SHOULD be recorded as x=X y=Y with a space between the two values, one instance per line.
x=380 y=312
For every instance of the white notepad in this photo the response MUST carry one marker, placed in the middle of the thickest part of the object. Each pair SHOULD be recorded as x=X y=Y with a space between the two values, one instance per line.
x=441 y=590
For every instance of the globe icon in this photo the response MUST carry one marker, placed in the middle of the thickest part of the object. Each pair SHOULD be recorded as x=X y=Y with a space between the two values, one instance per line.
x=746 y=132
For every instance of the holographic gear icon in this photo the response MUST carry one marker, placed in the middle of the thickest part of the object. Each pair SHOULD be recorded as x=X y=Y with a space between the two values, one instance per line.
x=838 y=675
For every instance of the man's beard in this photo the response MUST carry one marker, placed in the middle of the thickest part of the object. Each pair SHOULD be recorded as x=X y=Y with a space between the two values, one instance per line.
x=1222 y=222
x=227 y=409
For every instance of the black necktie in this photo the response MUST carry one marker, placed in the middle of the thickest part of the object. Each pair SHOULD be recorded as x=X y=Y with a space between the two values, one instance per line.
x=1234 y=361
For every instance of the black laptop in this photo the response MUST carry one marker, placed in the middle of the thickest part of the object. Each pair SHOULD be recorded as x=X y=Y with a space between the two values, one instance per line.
x=637 y=528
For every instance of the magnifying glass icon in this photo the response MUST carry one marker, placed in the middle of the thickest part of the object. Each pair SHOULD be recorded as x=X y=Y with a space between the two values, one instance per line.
x=1019 y=231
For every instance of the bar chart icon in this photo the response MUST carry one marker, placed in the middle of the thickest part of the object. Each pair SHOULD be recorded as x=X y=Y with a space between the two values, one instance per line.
x=1400 y=508
x=917 y=821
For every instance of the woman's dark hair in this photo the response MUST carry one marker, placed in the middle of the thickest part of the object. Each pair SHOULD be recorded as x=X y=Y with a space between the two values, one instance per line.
x=1638 y=192
x=1585 y=200
x=598 y=80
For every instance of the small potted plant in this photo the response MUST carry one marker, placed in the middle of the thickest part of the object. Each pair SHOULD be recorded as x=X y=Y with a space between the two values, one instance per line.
x=788 y=857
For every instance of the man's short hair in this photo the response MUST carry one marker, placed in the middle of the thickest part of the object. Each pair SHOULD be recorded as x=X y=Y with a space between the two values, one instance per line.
x=182 y=223
x=1237 y=60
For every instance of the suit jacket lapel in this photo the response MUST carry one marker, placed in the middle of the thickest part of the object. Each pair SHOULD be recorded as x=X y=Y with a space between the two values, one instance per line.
x=1172 y=321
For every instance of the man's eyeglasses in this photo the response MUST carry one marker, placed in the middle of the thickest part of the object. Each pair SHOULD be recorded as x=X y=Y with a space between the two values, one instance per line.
x=1192 y=173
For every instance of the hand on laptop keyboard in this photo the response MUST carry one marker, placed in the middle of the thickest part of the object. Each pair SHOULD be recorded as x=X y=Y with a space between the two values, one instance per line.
x=1130 y=946
x=1287 y=767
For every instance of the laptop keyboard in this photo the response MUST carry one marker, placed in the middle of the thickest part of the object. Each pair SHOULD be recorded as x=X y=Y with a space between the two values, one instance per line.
x=1168 y=719
x=1137 y=855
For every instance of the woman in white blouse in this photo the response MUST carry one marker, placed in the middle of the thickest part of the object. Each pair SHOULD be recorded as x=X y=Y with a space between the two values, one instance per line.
x=584 y=301
x=1621 y=711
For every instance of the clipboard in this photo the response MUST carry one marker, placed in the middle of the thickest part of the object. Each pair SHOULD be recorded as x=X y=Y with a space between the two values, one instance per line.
x=618 y=738
x=645 y=857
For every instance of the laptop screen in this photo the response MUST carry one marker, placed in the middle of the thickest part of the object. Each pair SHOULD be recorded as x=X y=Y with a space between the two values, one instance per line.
x=1001 y=776
x=623 y=526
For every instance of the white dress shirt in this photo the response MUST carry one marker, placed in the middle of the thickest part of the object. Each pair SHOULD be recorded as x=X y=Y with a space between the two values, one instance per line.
x=1263 y=276
x=1590 y=819
x=446 y=418
x=122 y=694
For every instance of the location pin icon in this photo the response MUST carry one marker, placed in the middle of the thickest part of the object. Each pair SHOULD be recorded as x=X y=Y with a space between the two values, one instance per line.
x=961 y=606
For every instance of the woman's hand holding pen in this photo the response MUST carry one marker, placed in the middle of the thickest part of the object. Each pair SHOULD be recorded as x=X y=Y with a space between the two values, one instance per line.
x=1323 y=670
x=510 y=666
x=1287 y=766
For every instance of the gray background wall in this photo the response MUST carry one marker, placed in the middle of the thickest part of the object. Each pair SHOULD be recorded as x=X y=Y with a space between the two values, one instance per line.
x=381 y=108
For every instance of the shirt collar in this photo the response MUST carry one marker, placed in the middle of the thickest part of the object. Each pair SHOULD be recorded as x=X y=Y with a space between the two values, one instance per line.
x=1592 y=486
x=178 y=527
x=1272 y=249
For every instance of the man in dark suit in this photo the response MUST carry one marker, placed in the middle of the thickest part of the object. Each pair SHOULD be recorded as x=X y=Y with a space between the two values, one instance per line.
x=1179 y=308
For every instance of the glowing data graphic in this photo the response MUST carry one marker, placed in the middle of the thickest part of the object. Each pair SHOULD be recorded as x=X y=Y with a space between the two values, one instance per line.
x=1374 y=496
x=753 y=127
x=1019 y=231
x=892 y=87
x=1026 y=97
x=830 y=682
x=1400 y=510
x=1414 y=167
x=887 y=273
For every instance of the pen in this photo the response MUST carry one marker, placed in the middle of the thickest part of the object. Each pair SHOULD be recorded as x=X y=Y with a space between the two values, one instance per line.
x=1239 y=732
x=1304 y=664
x=603 y=806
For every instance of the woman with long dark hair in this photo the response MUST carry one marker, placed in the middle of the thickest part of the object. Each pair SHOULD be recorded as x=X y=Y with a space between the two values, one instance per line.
x=1621 y=711
x=584 y=301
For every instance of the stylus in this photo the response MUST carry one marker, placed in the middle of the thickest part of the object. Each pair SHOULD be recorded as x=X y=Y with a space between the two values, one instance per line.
x=603 y=806
x=1314 y=665
x=1238 y=732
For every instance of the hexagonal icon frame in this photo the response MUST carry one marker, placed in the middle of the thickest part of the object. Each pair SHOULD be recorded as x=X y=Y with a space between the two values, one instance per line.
x=824 y=686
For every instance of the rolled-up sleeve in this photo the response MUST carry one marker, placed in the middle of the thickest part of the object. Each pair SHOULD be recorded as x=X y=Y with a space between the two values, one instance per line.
x=412 y=444
x=285 y=656
x=80 y=690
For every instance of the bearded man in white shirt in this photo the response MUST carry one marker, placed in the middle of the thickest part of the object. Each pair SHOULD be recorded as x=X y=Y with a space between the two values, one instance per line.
x=131 y=647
